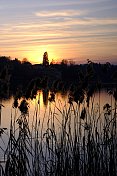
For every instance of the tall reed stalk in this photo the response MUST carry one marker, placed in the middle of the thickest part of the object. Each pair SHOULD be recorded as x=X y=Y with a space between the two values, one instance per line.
x=79 y=140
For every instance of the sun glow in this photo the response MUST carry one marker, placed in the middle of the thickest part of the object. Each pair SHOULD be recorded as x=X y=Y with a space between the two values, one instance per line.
x=36 y=56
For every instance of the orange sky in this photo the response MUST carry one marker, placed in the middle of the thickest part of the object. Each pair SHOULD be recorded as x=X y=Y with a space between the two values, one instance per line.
x=77 y=30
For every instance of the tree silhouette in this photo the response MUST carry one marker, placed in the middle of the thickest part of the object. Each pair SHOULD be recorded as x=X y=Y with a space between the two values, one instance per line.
x=45 y=59
x=64 y=62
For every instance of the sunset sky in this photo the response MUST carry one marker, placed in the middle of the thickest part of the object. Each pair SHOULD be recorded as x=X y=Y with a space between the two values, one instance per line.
x=66 y=29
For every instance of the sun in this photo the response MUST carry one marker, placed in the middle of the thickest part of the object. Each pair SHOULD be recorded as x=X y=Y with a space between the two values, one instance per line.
x=36 y=56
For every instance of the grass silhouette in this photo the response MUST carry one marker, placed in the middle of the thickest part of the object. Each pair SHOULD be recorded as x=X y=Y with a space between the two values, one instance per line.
x=84 y=143
x=77 y=138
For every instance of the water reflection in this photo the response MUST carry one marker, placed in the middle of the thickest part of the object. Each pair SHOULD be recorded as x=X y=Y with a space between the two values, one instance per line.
x=40 y=109
x=45 y=94
x=6 y=107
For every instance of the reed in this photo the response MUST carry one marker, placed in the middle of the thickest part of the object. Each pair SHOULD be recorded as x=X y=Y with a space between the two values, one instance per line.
x=79 y=139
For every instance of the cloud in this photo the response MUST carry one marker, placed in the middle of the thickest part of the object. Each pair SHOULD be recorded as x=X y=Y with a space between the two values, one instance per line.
x=68 y=23
x=77 y=28
x=60 y=13
x=67 y=31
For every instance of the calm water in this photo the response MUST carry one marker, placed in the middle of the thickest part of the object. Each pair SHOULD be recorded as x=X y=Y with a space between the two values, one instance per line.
x=45 y=111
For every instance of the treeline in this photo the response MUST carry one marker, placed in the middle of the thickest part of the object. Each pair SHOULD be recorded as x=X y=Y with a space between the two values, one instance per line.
x=22 y=73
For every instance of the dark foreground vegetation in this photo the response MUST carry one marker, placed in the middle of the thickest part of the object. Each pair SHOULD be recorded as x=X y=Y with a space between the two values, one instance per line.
x=85 y=141
x=60 y=75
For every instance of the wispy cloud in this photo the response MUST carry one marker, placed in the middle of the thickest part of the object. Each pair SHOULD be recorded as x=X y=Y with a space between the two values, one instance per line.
x=68 y=22
x=60 y=13
x=59 y=32
x=71 y=28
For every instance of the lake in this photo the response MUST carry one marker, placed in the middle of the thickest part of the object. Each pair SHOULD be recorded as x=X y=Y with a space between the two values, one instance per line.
x=41 y=110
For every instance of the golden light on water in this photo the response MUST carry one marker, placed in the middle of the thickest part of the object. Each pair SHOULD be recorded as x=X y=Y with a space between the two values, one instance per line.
x=38 y=100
